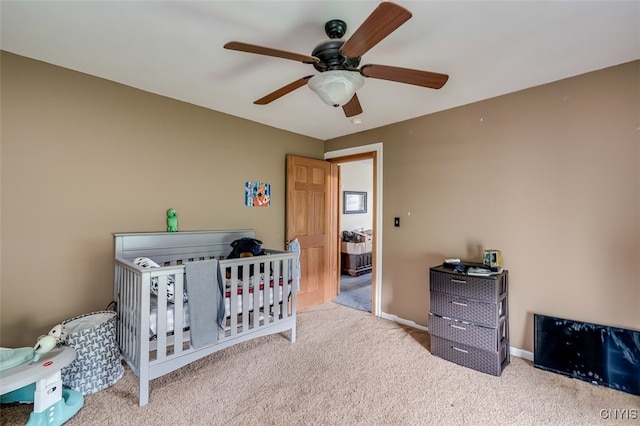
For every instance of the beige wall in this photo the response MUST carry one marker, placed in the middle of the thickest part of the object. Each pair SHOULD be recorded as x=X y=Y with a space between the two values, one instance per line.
x=83 y=158
x=549 y=175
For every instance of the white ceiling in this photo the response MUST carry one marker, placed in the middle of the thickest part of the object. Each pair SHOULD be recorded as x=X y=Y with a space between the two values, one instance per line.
x=174 y=48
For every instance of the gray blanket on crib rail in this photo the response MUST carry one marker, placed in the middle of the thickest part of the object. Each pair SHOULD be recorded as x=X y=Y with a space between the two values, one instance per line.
x=206 y=301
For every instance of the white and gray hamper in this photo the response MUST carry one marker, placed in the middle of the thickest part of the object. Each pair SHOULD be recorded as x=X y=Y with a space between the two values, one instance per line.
x=98 y=363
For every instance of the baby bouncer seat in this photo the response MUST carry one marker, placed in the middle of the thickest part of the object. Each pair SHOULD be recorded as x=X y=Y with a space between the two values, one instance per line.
x=30 y=377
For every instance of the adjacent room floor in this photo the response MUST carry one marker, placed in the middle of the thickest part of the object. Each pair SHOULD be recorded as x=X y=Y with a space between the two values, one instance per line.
x=355 y=292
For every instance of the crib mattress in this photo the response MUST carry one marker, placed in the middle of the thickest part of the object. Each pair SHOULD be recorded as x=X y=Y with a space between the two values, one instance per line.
x=153 y=318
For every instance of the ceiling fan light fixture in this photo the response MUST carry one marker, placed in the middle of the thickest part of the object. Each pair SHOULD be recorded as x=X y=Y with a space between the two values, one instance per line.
x=336 y=87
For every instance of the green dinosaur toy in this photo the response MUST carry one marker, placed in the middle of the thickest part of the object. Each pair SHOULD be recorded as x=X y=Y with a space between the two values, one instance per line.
x=172 y=220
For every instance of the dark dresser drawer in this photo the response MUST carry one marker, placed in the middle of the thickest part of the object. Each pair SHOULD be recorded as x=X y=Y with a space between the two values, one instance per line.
x=486 y=338
x=489 y=289
x=491 y=362
x=477 y=312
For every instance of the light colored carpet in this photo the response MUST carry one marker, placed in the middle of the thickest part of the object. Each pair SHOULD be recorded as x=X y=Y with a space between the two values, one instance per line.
x=346 y=368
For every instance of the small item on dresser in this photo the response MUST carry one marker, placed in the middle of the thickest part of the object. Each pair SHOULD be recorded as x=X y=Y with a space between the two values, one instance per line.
x=492 y=258
x=451 y=263
x=459 y=267
x=172 y=220
x=480 y=272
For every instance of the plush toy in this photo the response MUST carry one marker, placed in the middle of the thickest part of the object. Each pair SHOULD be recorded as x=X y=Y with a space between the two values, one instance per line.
x=172 y=220
x=245 y=247
x=45 y=343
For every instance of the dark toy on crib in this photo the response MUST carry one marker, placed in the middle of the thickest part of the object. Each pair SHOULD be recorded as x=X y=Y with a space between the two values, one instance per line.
x=245 y=247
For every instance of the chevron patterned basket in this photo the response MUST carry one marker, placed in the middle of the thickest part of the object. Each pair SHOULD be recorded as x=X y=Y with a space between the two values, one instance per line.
x=98 y=363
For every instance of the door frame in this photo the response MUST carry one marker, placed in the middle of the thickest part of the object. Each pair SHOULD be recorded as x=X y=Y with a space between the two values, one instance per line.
x=376 y=262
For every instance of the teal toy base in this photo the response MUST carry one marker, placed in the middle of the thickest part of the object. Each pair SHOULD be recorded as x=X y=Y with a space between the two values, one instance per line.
x=58 y=413
x=54 y=415
x=22 y=395
x=40 y=383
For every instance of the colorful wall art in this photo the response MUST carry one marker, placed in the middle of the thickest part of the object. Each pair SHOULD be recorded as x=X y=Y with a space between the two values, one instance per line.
x=257 y=194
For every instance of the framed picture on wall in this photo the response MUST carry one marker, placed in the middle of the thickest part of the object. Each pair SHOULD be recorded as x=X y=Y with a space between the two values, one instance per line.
x=354 y=202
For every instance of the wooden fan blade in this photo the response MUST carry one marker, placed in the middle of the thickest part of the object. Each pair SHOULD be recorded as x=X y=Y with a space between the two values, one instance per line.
x=260 y=50
x=384 y=20
x=352 y=107
x=282 y=91
x=428 y=79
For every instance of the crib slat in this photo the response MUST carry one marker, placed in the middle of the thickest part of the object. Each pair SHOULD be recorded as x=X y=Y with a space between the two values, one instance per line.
x=178 y=312
x=233 y=301
x=246 y=285
x=286 y=288
x=143 y=297
x=161 y=318
x=131 y=304
x=257 y=295
x=277 y=290
x=246 y=294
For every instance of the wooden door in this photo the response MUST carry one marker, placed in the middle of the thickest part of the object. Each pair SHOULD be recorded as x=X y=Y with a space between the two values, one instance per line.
x=311 y=212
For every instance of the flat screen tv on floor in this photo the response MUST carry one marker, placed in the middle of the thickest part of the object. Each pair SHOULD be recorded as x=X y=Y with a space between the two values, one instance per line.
x=603 y=355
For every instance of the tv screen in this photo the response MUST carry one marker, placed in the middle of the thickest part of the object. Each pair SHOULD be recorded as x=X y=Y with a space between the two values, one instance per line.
x=599 y=354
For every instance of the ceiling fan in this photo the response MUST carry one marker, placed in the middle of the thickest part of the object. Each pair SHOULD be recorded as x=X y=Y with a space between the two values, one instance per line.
x=338 y=60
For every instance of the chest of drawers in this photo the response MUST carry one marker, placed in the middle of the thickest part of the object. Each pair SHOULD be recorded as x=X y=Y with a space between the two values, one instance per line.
x=356 y=264
x=469 y=319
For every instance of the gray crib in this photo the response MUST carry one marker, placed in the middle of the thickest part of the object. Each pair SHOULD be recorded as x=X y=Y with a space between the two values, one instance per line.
x=153 y=333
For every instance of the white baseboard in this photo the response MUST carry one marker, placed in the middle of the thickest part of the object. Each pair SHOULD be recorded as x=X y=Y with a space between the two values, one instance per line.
x=403 y=321
x=520 y=353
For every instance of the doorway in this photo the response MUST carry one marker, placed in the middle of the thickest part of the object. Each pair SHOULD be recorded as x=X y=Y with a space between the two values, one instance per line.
x=355 y=219
x=365 y=287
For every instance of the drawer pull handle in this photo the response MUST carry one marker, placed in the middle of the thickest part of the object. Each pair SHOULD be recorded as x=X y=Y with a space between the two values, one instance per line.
x=458 y=281
x=459 y=350
x=458 y=303
x=457 y=326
